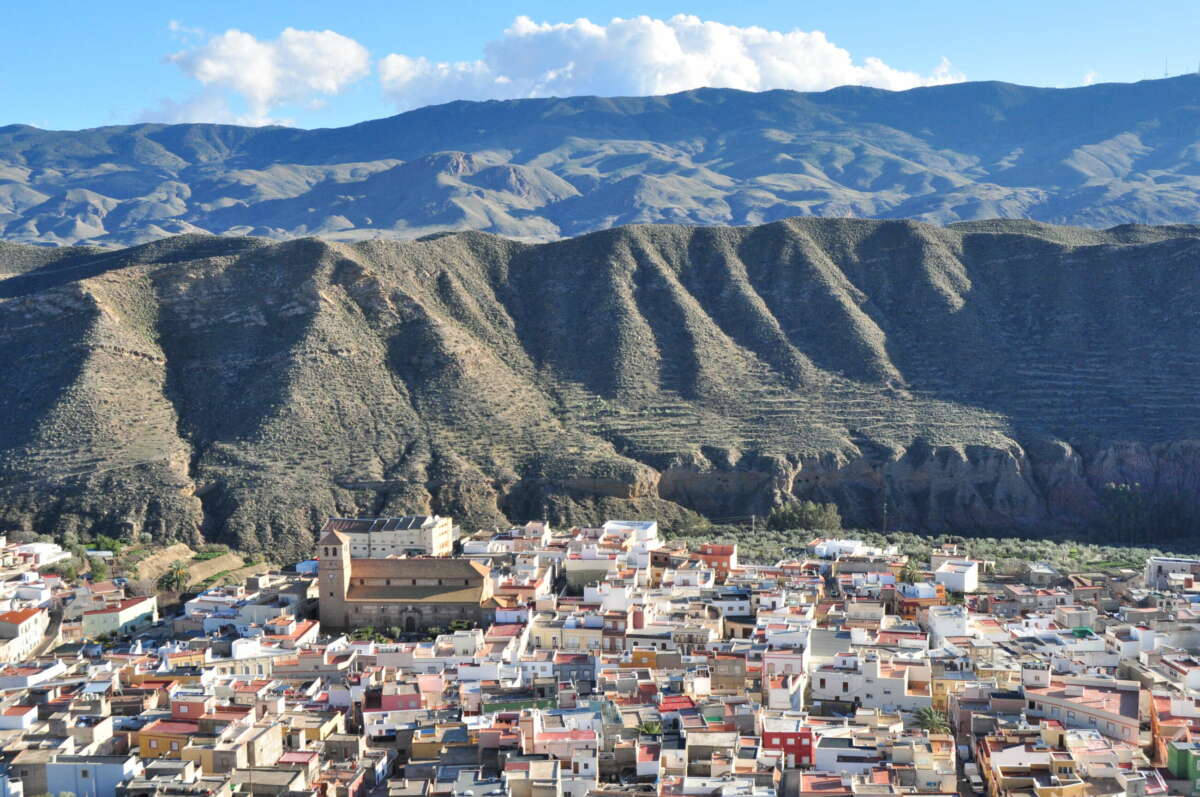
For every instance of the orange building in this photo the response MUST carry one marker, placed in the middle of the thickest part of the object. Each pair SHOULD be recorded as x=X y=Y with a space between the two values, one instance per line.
x=721 y=558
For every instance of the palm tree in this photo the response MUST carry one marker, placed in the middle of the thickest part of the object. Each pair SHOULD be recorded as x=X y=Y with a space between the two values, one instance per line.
x=911 y=572
x=650 y=728
x=931 y=720
x=175 y=578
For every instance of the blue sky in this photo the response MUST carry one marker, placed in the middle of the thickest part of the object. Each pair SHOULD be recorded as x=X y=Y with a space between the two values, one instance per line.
x=73 y=64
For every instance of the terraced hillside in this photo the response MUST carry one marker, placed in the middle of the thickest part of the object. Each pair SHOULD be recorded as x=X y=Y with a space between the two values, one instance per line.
x=541 y=169
x=987 y=375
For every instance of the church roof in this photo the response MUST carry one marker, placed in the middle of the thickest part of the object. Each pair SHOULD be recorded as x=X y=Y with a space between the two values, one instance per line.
x=418 y=567
x=352 y=525
x=332 y=537
x=389 y=594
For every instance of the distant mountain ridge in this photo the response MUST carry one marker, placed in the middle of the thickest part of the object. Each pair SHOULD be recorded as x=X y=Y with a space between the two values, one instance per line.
x=985 y=376
x=542 y=169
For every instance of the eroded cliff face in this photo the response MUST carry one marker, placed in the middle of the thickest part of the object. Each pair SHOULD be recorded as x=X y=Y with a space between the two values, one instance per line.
x=1047 y=486
x=977 y=489
x=985 y=377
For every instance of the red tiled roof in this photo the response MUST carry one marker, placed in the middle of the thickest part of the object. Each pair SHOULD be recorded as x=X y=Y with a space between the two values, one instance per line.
x=507 y=630
x=676 y=703
x=648 y=752
x=121 y=605
x=298 y=756
x=172 y=726
x=19 y=616
x=566 y=736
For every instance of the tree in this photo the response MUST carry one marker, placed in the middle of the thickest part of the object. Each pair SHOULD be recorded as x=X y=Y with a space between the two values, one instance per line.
x=650 y=728
x=100 y=570
x=805 y=515
x=1133 y=513
x=176 y=578
x=67 y=572
x=104 y=543
x=911 y=573
x=931 y=720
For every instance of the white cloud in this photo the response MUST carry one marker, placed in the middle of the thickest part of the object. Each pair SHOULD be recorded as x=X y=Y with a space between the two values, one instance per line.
x=182 y=31
x=297 y=67
x=1091 y=77
x=641 y=56
x=205 y=106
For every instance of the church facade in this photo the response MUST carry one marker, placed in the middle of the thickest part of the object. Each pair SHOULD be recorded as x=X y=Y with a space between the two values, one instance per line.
x=413 y=594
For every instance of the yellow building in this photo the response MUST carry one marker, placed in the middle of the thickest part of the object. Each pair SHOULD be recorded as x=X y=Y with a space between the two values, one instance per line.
x=165 y=738
x=242 y=746
x=313 y=726
x=1004 y=674
x=942 y=685
x=578 y=637
x=545 y=631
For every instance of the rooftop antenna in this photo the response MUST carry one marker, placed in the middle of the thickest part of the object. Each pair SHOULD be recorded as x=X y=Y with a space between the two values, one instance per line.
x=1165 y=63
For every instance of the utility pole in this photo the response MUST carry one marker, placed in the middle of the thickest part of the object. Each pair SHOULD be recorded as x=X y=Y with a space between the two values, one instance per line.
x=885 y=503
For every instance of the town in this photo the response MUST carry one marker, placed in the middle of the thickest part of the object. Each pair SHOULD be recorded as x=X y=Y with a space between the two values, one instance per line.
x=410 y=657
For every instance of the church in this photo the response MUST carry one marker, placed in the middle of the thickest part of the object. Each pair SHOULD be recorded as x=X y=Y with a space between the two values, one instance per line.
x=412 y=594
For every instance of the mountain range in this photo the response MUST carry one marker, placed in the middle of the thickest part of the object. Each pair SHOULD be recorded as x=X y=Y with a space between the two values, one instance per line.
x=991 y=375
x=543 y=169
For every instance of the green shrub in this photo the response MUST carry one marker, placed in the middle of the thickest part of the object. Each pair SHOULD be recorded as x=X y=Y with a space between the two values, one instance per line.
x=805 y=515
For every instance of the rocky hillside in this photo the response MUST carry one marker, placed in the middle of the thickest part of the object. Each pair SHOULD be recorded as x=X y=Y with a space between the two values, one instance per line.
x=989 y=375
x=548 y=168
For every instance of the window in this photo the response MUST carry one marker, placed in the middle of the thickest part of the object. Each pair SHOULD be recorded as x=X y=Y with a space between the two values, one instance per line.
x=83 y=773
x=184 y=708
x=822 y=683
x=331 y=593
x=154 y=744
x=845 y=686
x=174 y=745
